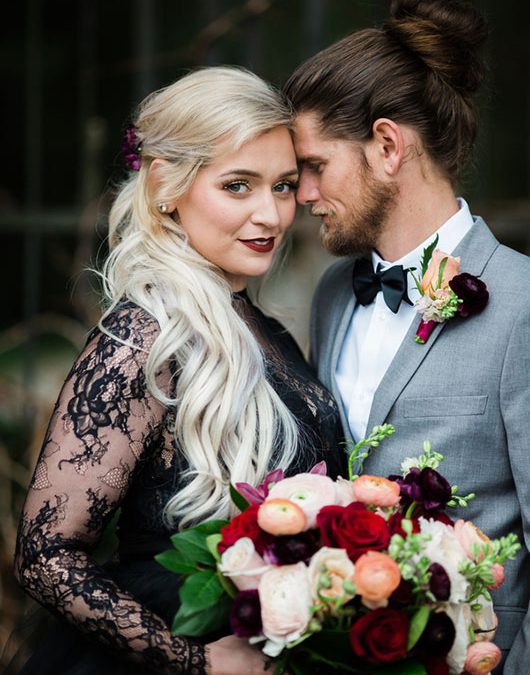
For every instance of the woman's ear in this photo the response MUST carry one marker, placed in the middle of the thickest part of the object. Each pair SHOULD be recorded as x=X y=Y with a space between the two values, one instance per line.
x=154 y=178
x=389 y=145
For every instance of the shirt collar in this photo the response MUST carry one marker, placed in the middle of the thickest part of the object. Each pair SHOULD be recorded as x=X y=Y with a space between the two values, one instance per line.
x=449 y=234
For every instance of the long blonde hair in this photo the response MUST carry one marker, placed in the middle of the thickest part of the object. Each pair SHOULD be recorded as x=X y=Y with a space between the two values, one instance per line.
x=230 y=423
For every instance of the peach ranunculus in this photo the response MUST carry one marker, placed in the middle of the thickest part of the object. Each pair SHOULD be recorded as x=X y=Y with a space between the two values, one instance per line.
x=376 y=577
x=243 y=565
x=469 y=534
x=376 y=491
x=309 y=491
x=482 y=658
x=281 y=517
x=285 y=598
x=328 y=570
x=429 y=282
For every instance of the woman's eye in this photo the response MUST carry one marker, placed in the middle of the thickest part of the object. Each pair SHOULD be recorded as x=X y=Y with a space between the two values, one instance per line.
x=237 y=187
x=285 y=186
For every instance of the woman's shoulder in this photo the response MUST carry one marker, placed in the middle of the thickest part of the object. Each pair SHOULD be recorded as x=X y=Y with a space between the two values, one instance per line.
x=129 y=324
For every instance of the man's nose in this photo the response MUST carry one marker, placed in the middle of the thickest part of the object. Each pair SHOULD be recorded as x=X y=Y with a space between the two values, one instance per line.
x=307 y=192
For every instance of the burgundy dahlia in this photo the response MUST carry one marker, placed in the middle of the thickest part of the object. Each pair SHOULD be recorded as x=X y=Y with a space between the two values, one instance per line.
x=439 y=583
x=291 y=549
x=438 y=636
x=427 y=488
x=472 y=291
x=245 y=614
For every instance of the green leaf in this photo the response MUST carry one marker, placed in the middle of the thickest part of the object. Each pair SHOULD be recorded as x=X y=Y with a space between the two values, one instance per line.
x=209 y=527
x=211 y=542
x=238 y=499
x=227 y=585
x=201 y=590
x=191 y=545
x=441 y=272
x=174 y=562
x=427 y=255
x=195 y=623
x=417 y=626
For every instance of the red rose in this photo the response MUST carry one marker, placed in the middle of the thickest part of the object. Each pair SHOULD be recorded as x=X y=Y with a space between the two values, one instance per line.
x=244 y=525
x=394 y=524
x=380 y=636
x=353 y=528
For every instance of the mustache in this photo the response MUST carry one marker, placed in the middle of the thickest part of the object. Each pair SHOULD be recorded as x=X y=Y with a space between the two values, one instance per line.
x=321 y=212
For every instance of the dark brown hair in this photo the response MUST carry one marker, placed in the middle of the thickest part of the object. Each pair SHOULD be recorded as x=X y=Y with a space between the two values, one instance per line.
x=421 y=68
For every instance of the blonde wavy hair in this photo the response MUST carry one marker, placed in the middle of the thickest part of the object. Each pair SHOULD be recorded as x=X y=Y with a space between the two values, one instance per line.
x=230 y=423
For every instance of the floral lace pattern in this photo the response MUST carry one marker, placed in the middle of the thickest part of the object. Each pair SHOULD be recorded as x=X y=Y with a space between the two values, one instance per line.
x=110 y=446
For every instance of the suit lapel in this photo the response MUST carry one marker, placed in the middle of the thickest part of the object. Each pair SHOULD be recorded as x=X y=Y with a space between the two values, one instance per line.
x=474 y=250
x=346 y=304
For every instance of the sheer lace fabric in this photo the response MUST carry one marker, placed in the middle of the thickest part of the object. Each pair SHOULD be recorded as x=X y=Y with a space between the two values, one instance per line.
x=110 y=447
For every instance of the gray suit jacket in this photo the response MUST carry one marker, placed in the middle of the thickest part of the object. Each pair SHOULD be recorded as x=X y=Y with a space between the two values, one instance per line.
x=467 y=390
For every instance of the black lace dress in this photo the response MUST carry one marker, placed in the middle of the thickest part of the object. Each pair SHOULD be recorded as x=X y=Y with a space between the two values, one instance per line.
x=109 y=448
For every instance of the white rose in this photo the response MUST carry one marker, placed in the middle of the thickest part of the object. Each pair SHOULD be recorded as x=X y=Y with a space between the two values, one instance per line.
x=285 y=598
x=344 y=491
x=243 y=565
x=445 y=549
x=458 y=653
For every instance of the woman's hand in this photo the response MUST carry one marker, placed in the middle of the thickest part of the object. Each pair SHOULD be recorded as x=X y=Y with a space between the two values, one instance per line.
x=234 y=656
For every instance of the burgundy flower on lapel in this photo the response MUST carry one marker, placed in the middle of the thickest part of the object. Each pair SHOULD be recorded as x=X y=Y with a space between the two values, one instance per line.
x=445 y=293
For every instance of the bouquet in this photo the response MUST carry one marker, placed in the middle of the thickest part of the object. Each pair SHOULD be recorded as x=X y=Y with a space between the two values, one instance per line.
x=360 y=575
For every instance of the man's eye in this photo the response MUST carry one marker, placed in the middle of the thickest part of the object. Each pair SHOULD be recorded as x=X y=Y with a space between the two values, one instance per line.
x=285 y=186
x=237 y=186
x=314 y=167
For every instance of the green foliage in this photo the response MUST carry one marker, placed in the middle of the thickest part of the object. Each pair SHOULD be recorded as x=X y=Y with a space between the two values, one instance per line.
x=238 y=499
x=427 y=255
x=379 y=433
x=417 y=625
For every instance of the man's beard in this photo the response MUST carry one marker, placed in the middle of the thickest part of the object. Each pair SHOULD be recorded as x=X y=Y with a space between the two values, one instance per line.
x=360 y=229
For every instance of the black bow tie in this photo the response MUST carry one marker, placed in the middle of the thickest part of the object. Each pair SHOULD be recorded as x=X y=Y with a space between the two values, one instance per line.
x=392 y=281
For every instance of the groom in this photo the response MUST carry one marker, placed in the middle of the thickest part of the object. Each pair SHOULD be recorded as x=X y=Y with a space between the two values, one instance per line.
x=382 y=132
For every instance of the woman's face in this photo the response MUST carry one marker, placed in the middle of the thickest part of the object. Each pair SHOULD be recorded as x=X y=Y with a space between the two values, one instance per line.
x=238 y=208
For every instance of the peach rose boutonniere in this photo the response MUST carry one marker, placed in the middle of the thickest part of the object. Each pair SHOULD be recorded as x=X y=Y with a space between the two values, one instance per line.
x=445 y=292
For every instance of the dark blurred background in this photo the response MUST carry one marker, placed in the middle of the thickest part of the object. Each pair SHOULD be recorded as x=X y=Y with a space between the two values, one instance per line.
x=72 y=73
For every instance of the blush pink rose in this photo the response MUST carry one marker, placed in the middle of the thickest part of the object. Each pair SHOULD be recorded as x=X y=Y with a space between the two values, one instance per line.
x=285 y=599
x=309 y=491
x=429 y=282
x=468 y=535
x=243 y=565
x=482 y=658
x=376 y=577
x=281 y=517
x=334 y=565
x=376 y=491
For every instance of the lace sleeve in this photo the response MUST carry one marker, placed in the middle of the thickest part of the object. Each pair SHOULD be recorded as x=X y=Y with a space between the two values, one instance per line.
x=102 y=427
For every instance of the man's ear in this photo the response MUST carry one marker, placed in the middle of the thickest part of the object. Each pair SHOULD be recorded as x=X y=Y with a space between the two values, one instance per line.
x=389 y=145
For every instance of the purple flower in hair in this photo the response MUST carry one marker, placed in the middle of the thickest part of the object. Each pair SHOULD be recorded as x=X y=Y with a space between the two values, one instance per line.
x=131 y=149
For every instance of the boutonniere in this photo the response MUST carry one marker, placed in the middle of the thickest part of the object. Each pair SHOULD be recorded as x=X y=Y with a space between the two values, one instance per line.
x=445 y=292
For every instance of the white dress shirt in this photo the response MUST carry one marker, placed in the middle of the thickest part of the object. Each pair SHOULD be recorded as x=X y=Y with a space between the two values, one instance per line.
x=375 y=333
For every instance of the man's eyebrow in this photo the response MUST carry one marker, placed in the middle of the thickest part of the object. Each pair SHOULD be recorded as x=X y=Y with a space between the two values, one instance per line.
x=310 y=159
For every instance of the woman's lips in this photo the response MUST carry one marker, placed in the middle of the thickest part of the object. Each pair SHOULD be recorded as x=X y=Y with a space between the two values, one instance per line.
x=261 y=245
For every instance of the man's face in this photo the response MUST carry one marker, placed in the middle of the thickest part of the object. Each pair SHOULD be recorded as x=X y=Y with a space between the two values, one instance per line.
x=337 y=182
